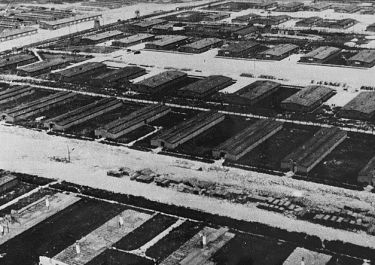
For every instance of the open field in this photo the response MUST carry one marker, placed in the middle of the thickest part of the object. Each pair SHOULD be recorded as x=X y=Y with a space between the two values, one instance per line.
x=203 y=144
x=344 y=163
x=145 y=232
x=57 y=232
x=270 y=153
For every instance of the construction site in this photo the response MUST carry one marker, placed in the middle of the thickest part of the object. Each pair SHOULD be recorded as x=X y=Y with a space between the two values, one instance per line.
x=191 y=132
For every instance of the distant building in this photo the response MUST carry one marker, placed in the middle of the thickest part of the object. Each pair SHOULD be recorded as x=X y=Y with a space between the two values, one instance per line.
x=133 y=40
x=238 y=49
x=367 y=173
x=13 y=61
x=79 y=72
x=371 y=27
x=321 y=54
x=146 y=25
x=278 y=52
x=101 y=37
x=362 y=107
x=202 y=45
x=318 y=7
x=310 y=257
x=245 y=19
x=290 y=7
x=364 y=58
x=160 y=82
x=167 y=42
x=349 y=9
x=10 y=34
x=65 y=22
x=309 y=22
x=43 y=67
x=118 y=76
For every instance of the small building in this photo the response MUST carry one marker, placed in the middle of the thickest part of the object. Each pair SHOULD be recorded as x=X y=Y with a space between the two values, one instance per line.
x=146 y=25
x=13 y=61
x=80 y=72
x=309 y=257
x=10 y=34
x=307 y=99
x=348 y=9
x=216 y=16
x=362 y=107
x=245 y=18
x=321 y=54
x=42 y=67
x=167 y=42
x=364 y=58
x=163 y=28
x=339 y=24
x=82 y=114
x=101 y=37
x=205 y=87
x=131 y=122
x=29 y=109
x=278 y=52
x=371 y=27
x=240 y=49
x=7 y=183
x=133 y=40
x=247 y=33
x=253 y=93
x=183 y=132
x=318 y=7
x=237 y=146
x=367 y=174
x=309 y=22
x=117 y=76
x=290 y=7
x=263 y=5
x=160 y=82
x=201 y=45
x=15 y=92
x=308 y=155
x=65 y=22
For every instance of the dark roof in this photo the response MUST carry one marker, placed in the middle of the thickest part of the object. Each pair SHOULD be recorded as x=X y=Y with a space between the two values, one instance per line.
x=80 y=69
x=103 y=35
x=257 y=89
x=366 y=56
x=14 y=59
x=149 y=23
x=41 y=65
x=135 y=38
x=13 y=32
x=166 y=40
x=240 y=46
x=199 y=44
x=309 y=95
x=120 y=73
x=280 y=49
x=207 y=84
x=322 y=52
x=161 y=79
x=364 y=102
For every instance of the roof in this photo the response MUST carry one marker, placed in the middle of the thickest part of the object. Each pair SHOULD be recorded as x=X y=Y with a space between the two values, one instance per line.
x=13 y=32
x=280 y=49
x=310 y=257
x=240 y=46
x=206 y=84
x=135 y=38
x=322 y=52
x=168 y=39
x=120 y=73
x=103 y=35
x=79 y=69
x=247 y=17
x=5 y=179
x=17 y=58
x=161 y=79
x=247 y=30
x=364 y=102
x=257 y=89
x=203 y=43
x=309 y=20
x=368 y=169
x=149 y=23
x=309 y=95
x=366 y=56
x=69 y=19
x=291 y=5
x=40 y=65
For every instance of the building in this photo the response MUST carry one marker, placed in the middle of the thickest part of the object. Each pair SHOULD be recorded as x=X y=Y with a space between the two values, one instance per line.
x=24 y=111
x=253 y=93
x=309 y=257
x=278 y=52
x=290 y=7
x=212 y=17
x=11 y=34
x=42 y=67
x=13 y=61
x=163 y=28
x=321 y=55
x=7 y=183
x=307 y=99
x=308 y=155
x=146 y=25
x=270 y=20
x=101 y=37
x=364 y=58
x=118 y=76
x=348 y=9
x=183 y=132
x=362 y=107
x=245 y=18
x=15 y=92
x=82 y=114
x=247 y=33
x=202 y=45
x=237 y=146
x=262 y=5
x=338 y=24
x=167 y=42
x=318 y=7
x=205 y=87
x=367 y=174
x=65 y=22
x=371 y=27
x=240 y=49
x=131 y=122
x=309 y=22
x=133 y=40
x=160 y=82
x=80 y=72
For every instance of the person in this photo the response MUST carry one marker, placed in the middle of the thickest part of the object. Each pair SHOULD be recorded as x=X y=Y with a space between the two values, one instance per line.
x=78 y=248
x=47 y=203
x=120 y=221
x=303 y=261
x=1 y=229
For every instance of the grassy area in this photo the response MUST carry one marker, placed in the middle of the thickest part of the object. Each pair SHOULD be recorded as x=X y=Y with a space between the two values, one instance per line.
x=141 y=235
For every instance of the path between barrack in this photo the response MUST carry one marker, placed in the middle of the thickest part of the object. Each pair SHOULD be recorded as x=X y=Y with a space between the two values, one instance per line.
x=30 y=152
